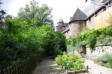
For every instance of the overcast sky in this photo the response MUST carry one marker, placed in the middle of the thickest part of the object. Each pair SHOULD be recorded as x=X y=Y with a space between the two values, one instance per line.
x=62 y=9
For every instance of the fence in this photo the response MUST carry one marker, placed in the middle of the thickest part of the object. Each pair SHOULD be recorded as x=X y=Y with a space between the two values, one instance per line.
x=25 y=67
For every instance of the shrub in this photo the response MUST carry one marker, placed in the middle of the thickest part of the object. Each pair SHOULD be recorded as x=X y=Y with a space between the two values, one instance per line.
x=107 y=40
x=71 y=62
x=19 y=40
x=108 y=64
x=106 y=59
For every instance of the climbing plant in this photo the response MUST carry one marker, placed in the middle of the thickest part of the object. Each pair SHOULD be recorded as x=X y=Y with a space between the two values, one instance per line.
x=90 y=37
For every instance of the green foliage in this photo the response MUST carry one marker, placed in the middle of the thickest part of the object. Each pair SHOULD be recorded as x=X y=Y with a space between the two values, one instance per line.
x=85 y=29
x=107 y=40
x=71 y=62
x=35 y=14
x=108 y=30
x=108 y=64
x=19 y=40
x=91 y=37
x=2 y=13
x=106 y=59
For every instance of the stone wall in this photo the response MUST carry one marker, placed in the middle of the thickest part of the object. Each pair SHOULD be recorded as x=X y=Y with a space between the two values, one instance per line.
x=100 y=50
x=74 y=28
x=100 y=19
x=67 y=34
x=90 y=23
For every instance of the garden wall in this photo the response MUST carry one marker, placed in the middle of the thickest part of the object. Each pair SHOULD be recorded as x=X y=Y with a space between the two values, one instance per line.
x=99 y=50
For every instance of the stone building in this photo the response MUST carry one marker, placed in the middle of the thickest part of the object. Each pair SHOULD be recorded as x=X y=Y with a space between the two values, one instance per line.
x=95 y=14
x=61 y=26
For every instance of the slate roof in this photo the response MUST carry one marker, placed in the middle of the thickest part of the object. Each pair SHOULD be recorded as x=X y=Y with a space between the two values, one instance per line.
x=88 y=9
x=78 y=15
x=93 y=6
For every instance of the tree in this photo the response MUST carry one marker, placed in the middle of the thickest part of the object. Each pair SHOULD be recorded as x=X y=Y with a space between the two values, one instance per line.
x=2 y=16
x=35 y=14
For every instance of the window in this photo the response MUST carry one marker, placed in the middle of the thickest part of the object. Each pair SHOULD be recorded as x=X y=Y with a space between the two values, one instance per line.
x=104 y=8
x=89 y=19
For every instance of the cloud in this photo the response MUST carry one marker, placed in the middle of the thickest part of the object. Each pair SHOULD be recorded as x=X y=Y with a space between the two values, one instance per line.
x=15 y=5
x=62 y=9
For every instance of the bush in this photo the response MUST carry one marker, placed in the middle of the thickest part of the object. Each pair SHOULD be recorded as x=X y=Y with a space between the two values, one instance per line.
x=108 y=64
x=71 y=62
x=106 y=59
x=19 y=41
x=105 y=41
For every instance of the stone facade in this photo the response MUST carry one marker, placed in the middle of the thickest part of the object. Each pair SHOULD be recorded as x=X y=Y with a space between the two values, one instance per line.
x=61 y=26
x=99 y=51
x=99 y=19
x=74 y=28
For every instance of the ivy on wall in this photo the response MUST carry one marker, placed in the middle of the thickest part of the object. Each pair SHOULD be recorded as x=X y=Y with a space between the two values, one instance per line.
x=91 y=37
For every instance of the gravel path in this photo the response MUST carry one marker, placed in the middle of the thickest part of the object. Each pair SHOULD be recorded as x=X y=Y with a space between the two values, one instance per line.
x=45 y=65
x=94 y=68
x=97 y=69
